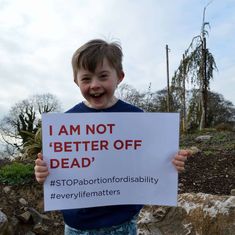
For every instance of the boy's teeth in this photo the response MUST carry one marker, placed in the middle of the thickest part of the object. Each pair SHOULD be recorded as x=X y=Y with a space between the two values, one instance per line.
x=96 y=95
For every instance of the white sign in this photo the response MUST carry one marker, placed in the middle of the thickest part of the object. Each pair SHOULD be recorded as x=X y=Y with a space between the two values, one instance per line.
x=98 y=159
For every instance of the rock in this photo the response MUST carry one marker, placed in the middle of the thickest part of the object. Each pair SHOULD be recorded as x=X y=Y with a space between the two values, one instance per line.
x=162 y=221
x=14 y=203
x=7 y=189
x=37 y=228
x=3 y=224
x=196 y=214
x=203 y=138
x=180 y=185
x=25 y=217
x=210 y=214
x=38 y=218
x=195 y=150
x=233 y=192
x=23 y=202
x=57 y=224
x=41 y=229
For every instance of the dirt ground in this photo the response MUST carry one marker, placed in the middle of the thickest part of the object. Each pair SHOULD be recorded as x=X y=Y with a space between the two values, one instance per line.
x=211 y=170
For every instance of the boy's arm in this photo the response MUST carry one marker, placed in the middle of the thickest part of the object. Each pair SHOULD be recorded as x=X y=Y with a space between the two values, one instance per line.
x=180 y=158
x=40 y=170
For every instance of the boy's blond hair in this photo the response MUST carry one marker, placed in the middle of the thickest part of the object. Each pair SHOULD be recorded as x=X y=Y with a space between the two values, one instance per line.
x=92 y=54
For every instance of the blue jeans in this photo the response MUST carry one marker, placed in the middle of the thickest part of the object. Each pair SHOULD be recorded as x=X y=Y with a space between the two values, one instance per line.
x=128 y=228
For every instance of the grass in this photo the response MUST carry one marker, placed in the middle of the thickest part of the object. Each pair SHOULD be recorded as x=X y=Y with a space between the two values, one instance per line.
x=17 y=173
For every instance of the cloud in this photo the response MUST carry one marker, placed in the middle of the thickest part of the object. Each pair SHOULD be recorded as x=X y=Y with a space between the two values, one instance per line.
x=38 y=38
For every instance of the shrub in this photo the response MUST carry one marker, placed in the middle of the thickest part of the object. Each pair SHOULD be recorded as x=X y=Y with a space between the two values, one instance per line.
x=33 y=145
x=224 y=127
x=16 y=173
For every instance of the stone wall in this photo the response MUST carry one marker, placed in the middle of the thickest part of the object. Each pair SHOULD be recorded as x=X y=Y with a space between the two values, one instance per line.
x=196 y=214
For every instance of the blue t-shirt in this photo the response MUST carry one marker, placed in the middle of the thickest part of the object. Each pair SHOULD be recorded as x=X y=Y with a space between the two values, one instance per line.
x=105 y=216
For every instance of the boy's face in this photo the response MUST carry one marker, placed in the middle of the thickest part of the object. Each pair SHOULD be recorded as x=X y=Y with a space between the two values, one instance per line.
x=98 y=88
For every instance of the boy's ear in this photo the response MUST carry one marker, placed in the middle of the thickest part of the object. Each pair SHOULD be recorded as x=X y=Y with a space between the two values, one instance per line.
x=121 y=77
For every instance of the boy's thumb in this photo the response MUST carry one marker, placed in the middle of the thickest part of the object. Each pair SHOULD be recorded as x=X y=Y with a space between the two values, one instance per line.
x=40 y=156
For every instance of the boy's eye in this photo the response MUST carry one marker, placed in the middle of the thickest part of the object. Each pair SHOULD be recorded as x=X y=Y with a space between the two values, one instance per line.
x=85 y=79
x=103 y=76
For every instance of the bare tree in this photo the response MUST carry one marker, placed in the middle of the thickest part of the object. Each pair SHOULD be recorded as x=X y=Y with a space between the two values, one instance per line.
x=148 y=100
x=197 y=67
x=130 y=94
x=24 y=117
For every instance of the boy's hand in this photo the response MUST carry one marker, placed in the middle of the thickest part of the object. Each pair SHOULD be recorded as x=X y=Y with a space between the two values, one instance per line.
x=180 y=158
x=40 y=169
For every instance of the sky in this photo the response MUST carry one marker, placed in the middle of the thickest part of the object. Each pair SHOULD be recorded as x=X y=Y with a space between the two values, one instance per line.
x=38 y=38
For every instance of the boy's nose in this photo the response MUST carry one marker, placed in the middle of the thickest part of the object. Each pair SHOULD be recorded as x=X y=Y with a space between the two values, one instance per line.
x=95 y=83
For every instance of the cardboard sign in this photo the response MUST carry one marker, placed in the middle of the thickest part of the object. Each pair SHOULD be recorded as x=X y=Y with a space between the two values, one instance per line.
x=98 y=159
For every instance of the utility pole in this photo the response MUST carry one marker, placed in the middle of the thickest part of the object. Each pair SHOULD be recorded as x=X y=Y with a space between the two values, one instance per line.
x=184 y=97
x=168 y=80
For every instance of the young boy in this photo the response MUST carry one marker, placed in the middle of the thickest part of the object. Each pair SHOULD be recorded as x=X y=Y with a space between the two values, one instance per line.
x=97 y=70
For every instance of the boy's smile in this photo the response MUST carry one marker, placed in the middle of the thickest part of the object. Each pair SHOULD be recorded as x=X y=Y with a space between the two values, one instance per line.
x=98 y=87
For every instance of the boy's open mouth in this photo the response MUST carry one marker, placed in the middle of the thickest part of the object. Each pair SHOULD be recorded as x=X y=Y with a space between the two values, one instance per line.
x=97 y=95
